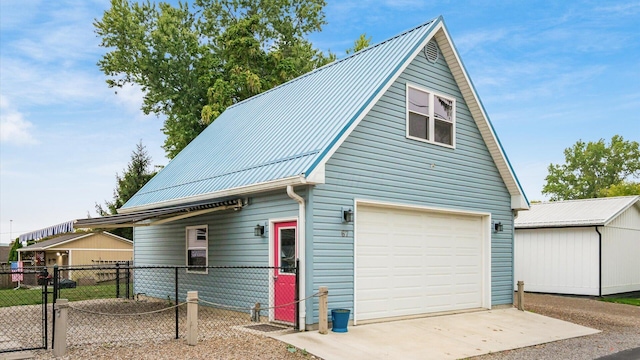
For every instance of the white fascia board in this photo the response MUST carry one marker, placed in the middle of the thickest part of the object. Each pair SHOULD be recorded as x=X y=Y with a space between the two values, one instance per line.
x=317 y=175
x=486 y=130
x=518 y=202
x=237 y=191
x=117 y=237
x=633 y=201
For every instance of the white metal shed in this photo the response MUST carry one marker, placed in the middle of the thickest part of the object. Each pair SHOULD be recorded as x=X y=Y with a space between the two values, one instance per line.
x=580 y=247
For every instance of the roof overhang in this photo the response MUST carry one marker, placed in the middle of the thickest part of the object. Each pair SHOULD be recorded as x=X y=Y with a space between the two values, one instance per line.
x=157 y=216
x=556 y=226
x=242 y=191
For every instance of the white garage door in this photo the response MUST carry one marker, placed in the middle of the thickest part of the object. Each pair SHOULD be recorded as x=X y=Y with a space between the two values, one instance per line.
x=411 y=262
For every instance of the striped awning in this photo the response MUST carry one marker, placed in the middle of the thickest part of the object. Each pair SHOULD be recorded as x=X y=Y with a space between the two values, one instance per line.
x=156 y=216
x=65 y=227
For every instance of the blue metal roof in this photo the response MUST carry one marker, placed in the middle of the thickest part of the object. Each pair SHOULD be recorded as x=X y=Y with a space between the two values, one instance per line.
x=284 y=132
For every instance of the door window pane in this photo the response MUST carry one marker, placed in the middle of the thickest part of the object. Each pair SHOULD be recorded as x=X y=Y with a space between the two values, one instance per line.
x=287 y=250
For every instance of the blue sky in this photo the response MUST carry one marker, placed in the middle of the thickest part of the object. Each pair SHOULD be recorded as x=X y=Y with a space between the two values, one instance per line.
x=548 y=73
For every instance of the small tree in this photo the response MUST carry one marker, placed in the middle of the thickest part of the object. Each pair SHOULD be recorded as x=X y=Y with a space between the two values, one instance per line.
x=594 y=169
x=134 y=177
x=361 y=43
x=13 y=253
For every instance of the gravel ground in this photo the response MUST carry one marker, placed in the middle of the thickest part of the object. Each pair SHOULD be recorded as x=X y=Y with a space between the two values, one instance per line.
x=620 y=325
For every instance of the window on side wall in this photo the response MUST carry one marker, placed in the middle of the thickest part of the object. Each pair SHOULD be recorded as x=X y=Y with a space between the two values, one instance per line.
x=197 y=248
x=430 y=116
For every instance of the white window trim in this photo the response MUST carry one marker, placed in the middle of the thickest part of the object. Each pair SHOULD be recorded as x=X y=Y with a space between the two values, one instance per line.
x=186 y=252
x=431 y=116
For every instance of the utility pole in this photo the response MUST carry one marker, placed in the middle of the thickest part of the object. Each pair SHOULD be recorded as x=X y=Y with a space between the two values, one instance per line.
x=10 y=231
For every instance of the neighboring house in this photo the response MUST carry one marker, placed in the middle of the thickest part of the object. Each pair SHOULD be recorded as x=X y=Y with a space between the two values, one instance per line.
x=580 y=247
x=4 y=255
x=77 y=249
x=380 y=173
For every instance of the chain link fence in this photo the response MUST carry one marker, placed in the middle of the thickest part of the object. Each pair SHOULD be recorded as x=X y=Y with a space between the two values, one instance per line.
x=124 y=304
x=24 y=310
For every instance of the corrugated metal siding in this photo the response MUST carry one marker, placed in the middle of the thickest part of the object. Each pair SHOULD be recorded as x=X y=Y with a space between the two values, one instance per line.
x=620 y=250
x=231 y=243
x=282 y=132
x=377 y=162
x=562 y=261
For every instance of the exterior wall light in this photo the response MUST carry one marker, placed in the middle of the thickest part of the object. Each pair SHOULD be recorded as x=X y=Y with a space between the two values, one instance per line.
x=347 y=214
x=498 y=227
x=261 y=230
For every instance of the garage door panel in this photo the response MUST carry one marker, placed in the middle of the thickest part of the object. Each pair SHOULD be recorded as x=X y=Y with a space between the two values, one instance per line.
x=413 y=262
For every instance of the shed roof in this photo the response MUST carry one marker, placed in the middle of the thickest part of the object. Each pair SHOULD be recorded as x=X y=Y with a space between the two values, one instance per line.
x=285 y=135
x=587 y=212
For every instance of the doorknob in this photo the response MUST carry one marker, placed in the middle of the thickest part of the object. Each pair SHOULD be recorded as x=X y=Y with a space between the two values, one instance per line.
x=275 y=277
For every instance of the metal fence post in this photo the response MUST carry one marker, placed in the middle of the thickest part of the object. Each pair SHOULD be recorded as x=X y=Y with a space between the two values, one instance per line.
x=296 y=296
x=117 y=280
x=56 y=294
x=192 y=317
x=45 y=317
x=128 y=277
x=60 y=312
x=177 y=335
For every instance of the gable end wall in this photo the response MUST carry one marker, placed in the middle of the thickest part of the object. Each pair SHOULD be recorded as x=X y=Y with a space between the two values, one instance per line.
x=620 y=249
x=378 y=162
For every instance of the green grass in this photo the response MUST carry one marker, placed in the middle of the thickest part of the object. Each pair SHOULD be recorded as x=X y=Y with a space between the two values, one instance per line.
x=33 y=296
x=628 y=301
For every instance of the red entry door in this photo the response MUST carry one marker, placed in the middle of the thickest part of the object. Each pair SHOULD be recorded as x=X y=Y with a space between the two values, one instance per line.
x=285 y=254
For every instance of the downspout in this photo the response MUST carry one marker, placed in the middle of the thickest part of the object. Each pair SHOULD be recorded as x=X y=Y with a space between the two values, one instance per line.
x=599 y=261
x=301 y=251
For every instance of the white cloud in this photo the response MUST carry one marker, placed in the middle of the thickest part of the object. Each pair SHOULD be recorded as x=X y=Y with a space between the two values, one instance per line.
x=14 y=128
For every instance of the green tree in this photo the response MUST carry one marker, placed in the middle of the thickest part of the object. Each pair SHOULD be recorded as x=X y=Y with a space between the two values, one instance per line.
x=192 y=62
x=593 y=169
x=13 y=252
x=624 y=188
x=135 y=176
x=361 y=43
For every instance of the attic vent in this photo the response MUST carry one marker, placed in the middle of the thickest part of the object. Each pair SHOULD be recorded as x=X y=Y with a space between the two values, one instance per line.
x=431 y=51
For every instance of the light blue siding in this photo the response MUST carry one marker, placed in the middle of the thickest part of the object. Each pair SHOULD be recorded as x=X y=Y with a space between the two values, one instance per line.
x=231 y=243
x=377 y=162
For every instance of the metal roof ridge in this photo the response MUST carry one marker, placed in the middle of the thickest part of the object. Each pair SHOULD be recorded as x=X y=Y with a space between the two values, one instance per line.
x=587 y=200
x=369 y=48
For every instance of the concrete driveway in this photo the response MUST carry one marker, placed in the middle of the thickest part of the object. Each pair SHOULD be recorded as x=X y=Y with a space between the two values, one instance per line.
x=438 y=337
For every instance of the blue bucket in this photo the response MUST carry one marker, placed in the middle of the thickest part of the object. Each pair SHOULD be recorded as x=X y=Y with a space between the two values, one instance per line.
x=340 y=320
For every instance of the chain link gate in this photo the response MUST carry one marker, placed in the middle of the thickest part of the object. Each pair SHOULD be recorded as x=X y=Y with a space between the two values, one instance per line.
x=24 y=310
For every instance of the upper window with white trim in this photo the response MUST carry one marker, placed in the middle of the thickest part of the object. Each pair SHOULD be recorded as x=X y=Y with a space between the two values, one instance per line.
x=197 y=248
x=430 y=116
